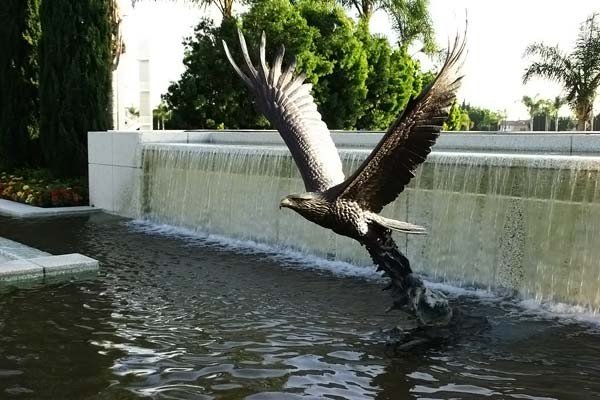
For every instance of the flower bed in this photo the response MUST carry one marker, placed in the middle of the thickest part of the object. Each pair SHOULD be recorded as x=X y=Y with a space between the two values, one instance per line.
x=37 y=188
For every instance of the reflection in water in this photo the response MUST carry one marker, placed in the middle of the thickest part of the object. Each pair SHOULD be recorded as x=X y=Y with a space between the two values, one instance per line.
x=171 y=317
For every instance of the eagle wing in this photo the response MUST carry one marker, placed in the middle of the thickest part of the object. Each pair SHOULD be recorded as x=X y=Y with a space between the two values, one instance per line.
x=392 y=164
x=287 y=103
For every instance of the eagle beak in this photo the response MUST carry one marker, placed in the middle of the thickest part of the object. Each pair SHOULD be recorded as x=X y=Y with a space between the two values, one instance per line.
x=285 y=203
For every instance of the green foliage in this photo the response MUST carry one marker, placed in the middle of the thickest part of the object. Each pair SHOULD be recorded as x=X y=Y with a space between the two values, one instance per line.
x=19 y=36
x=359 y=80
x=319 y=34
x=482 y=119
x=393 y=78
x=209 y=92
x=535 y=108
x=160 y=115
x=410 y=19
x=341 y=92
x=534 y=105
x=578 y=72
x=322 y=38
x=225 y=7
x=458 y=119
x=75 y=80
x=566 y=124
x=542 y=111
x=411 y=22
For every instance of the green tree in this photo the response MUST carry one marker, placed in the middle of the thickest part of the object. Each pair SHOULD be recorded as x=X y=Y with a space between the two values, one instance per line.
x=566 y=124
x=548 y=109
x=19 y=70
x=578 y=72
x=342 y=90
x=555 y=105
x=392 y=79
x=410 y=19
x=161 y=114
x=321 y=37
x=458 y=119
x=225 y=7
x=359 y=80
x=482 y=119
x=209 y=93
x=75 y=80
x=534 y=106
x=411 y=22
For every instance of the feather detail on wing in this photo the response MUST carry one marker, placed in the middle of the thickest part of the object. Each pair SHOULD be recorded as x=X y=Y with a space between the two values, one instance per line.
x=287 y=103
x=392 y=164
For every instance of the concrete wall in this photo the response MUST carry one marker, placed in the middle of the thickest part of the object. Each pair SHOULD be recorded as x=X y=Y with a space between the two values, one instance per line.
x=115 y=164
x=529 y=223
x=520 y=221
x=115 y=156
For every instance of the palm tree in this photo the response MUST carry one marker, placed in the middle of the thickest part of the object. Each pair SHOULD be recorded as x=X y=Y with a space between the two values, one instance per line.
x=225 y=7
x=534 y=107
x=578 y=72
x=410 y=19
x=555 y=106
x=162 y=114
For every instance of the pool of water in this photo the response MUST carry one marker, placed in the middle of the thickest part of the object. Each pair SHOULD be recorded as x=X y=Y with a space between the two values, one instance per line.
x=180 y=317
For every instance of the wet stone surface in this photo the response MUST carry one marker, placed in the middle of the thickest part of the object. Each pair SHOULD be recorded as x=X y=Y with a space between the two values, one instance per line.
x=176 y=317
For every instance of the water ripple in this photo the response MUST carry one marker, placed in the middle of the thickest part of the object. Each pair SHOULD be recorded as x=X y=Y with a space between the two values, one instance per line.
x=182 y=319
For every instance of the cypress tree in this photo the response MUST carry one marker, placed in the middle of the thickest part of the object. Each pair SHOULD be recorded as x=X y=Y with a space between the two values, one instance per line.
x=75 y=80
x=19 y=36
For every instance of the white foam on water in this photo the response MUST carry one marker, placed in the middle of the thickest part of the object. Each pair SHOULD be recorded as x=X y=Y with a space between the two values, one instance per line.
x=297 y=259
x=452 y=289
x=563 y=311
x=284 y=255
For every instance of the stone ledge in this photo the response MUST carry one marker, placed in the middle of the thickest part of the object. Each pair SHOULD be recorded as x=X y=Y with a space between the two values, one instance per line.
x=537 y=143
x=17 y=270
x=24 y=263
x=65 y=264
x=13 y=250
x=14 y=209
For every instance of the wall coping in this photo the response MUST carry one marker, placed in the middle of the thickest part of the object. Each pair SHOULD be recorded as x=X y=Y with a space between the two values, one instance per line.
x=115 y=157
x=540 y=143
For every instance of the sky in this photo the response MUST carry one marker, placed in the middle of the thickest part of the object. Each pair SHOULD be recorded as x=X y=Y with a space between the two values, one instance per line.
x=498 y=33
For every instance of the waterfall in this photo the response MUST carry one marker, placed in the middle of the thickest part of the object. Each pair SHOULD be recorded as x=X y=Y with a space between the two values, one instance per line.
x=522 y=222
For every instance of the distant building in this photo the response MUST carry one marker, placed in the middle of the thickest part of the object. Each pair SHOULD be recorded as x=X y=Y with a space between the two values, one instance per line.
x=514 y=126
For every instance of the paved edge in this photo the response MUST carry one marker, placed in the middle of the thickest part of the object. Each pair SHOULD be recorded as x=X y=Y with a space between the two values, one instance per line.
x=14 y=209
x=27 y=263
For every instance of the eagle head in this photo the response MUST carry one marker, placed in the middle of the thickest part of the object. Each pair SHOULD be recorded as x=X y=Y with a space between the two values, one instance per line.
x=306 y=204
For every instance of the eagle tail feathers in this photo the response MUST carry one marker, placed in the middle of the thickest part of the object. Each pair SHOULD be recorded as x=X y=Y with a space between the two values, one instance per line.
x=399 y=226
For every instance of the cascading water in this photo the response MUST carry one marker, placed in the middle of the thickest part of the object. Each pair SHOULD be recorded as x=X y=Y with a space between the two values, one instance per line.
x=528 y=223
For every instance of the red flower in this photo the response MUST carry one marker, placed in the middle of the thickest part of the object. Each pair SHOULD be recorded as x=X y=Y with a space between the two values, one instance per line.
x=55 y=196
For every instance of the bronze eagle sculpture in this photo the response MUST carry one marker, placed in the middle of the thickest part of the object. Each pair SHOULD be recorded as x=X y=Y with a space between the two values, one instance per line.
x=350 y=206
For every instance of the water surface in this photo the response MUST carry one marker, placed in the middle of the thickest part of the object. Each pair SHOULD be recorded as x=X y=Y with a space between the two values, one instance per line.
x=176 y=317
